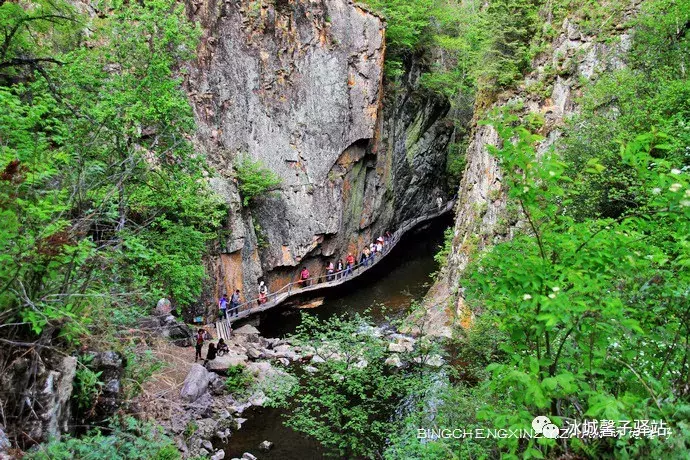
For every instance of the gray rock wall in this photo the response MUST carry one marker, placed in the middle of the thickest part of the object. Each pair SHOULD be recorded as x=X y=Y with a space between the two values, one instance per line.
x=298 y=85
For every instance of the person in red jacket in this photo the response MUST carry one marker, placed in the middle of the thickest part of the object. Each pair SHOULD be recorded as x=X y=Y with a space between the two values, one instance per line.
x=350 y=263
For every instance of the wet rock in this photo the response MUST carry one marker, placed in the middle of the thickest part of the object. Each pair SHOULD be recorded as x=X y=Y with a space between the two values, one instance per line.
x=310 y=369
x=248 y=456
x=195 y=384
x=219 y=455
x=207 y=445
x=223 y=435
x=316 y=359
x=265 y=446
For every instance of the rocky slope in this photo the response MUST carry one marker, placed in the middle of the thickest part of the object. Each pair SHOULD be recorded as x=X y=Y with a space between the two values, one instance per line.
x=299 y=86
x=483 y=217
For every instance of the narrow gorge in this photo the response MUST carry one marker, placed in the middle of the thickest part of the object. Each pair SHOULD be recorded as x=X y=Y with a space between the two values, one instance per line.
x=390 y=229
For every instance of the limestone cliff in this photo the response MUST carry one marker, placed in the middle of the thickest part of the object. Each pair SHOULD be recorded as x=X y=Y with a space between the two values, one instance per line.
x=548 y=93
x=299 y=86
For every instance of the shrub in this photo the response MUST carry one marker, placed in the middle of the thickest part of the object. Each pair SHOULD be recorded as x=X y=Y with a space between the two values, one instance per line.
x=254 y=179
x=239 y=379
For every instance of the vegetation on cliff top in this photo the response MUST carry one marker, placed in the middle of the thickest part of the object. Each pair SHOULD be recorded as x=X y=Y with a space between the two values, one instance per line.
x=586 y=309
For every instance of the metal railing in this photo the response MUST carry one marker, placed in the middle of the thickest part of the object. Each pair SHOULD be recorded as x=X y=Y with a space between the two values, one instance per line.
x=337 y=278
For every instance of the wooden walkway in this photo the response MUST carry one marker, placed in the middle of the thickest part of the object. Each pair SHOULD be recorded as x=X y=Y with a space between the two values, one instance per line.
x=223 y=327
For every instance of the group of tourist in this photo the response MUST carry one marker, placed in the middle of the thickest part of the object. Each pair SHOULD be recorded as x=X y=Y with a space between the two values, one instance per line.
x=334 y=271
x=234 y=304
x=367 y=257
x=213 y=349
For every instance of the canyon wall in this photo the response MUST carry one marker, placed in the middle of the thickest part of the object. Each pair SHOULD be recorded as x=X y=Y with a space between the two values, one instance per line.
x=548 y=93
x=299 y=86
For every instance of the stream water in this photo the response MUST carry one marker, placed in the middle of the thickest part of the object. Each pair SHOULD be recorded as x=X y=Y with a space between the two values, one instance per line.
x=387 y=291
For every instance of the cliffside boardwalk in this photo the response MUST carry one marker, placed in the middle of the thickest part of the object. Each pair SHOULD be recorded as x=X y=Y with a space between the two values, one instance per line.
x=317 y=283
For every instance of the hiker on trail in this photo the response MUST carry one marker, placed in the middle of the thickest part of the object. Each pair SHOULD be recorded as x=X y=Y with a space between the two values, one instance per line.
x=199 y=344
x=263 y=293
x=339 y=269
x=329 y=272
x=304 y=277
x=235 y=303
x=350 y=261
x=366 y=256
x=211 y=354
x=379 y=245
x=222 y=347
x=387 y=237
x=223 y=306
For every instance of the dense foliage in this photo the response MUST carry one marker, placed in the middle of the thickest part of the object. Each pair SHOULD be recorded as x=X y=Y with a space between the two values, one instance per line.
x=347 y=402
x=104 y=203
x=586 y=309
x=126 y=440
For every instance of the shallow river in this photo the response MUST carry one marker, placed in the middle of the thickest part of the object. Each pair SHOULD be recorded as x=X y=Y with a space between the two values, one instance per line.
x=387 y=290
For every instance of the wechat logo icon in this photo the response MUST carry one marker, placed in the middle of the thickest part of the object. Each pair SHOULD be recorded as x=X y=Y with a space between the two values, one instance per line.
x=542 y=425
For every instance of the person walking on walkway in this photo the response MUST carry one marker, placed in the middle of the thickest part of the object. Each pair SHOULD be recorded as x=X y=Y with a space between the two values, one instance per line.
x=235 y=303
x=199 y=344
x=263 y=293
x=350 y=262
x=304 y=277
x=379 y=245
x=339 y=269
x=210 y=354
x=329 y=272
x=366 y=256
x=223 y=306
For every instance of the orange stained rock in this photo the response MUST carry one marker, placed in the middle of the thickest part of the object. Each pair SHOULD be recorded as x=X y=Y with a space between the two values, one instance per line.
x=231 y=272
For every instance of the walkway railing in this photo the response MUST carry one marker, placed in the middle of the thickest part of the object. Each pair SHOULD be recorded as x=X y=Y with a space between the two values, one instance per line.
x=336 y=279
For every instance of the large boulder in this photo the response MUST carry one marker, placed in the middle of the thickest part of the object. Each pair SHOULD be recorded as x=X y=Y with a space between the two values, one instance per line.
x=195 y=384
x=247 y=329
x=163 y=307
x=179 y=333
x=223 y=363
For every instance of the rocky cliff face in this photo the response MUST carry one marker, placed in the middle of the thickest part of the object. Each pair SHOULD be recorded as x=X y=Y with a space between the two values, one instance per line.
x=482 y=215
x=298 y=85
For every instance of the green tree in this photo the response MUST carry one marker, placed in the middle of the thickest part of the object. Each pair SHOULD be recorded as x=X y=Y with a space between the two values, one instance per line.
x=591 y=308
x=348 y=402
